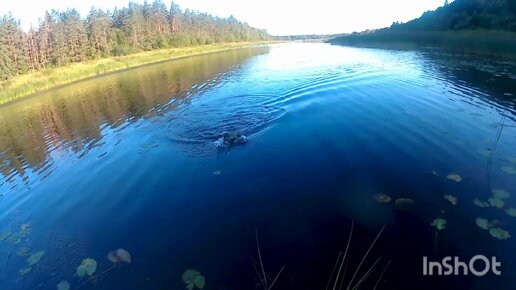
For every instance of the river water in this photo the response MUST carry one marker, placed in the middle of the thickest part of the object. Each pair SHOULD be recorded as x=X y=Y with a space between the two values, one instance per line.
x=128 y=161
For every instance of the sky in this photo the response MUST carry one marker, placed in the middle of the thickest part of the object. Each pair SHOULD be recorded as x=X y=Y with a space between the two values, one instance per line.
x=278 y=17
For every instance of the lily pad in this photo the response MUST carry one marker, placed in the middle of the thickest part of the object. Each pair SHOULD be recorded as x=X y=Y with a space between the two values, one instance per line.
x=63 y=285
x=87 y=267
x=382 y=198
x=499 y=233
x=509 y=169
x=439 y=223
x=193 y=279
x=500 y=193
x=404 y=202
x=496 y=202
x=452 y=199
x=483 y=223
x=484 y=152
x=35 y=258
x=454 y=177
x=5 y=235
x=119 y=256
x=511 y=212
x=25 y=271
x=24 y=251
x=480 y=203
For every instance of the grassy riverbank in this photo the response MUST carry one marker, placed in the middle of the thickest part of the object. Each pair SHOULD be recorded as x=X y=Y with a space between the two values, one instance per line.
x=494 y=43
x=31 y=83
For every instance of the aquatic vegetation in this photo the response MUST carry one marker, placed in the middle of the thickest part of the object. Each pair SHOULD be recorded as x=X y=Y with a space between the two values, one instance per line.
x=511 y=211
x=24 y=251
x=35 y=258
x=382 y=198
x=483 y=223
x=499 y=233
x=484 y=152
x=454 y=177
x=87 y=267
x=439 y=223
x=5 y=235
x=511 y=160
x=63 y=285
x=501 y=194
x=119 y=256
x=216 y=173
x=404 y=203
x=337 y=278
x=496 y=202
x=480 y=203
x=452 y=199
x=193 y=279
x=25 y=271
x=511 y=169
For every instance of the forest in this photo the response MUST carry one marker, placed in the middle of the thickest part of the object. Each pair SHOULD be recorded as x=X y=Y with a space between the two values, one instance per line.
x=65 y=37
x=485 y=26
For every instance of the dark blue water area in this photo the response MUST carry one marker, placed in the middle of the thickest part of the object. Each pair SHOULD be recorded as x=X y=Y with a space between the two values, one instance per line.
x=329 y=128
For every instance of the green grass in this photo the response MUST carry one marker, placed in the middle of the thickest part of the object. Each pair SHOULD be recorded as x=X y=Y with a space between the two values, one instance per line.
x=35 y=82
x=485 y=42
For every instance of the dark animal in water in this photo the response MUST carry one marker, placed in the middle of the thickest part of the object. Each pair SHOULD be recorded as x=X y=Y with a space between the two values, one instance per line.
x=227 y=140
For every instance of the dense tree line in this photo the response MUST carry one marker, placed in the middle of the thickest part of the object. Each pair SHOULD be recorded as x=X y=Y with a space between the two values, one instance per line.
x=64 y=37
x=467 y=15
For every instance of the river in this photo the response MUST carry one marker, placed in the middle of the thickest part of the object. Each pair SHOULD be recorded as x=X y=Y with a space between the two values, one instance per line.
x=128 y=160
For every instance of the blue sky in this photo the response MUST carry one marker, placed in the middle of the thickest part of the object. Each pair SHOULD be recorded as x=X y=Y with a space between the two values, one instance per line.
x=279 y=17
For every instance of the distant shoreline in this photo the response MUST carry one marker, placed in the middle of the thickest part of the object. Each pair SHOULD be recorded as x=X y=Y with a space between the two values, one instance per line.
x=41 y=81
x=482 y=42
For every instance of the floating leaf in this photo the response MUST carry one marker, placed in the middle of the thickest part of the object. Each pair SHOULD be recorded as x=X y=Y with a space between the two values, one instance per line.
x=452 y=199
x=496 y=202
x=24 y=251
x=480 y=203
x=484 y=152
x=382 y=197
x=509 y=169
x=63 y=285
x=87 y=267
x=511 y=212
x=404 y=202
x=25 y=271
x=193 y=278
x=483 y=223
x=499 y=233
x=200 y=282
x=35 y=258
x=439 y=223
x=216 y=172
x=500 y=193
x=119 y=256
x=454 y=177
x=5 y=235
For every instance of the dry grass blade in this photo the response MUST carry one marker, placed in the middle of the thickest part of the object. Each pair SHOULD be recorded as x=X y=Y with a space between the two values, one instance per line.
x=381 y=275
x=261 y=261
x=363 y=259
x=277 y=276
x=345 y=254
x=333 y=271
x=367 y=274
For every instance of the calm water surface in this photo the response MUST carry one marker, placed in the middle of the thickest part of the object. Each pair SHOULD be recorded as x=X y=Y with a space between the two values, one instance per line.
x=128 y=161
